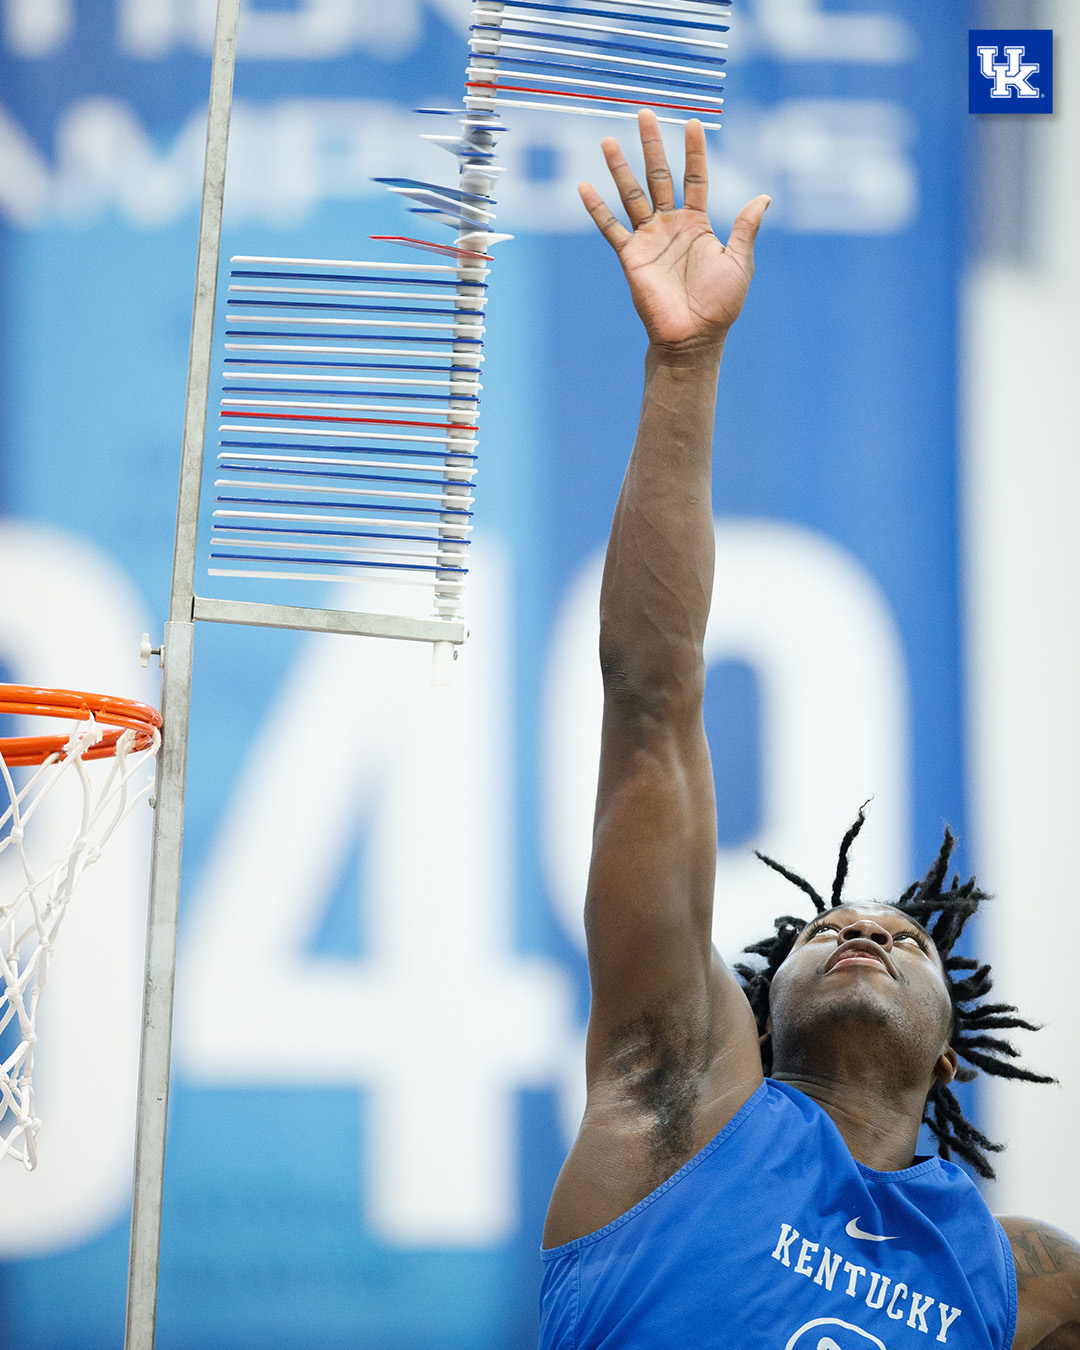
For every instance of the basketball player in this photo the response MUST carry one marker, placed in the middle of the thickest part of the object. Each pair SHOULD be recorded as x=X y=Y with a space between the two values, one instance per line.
x=703 y=1205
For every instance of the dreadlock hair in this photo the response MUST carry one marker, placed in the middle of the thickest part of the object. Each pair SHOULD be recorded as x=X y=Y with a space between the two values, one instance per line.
x=968 y=983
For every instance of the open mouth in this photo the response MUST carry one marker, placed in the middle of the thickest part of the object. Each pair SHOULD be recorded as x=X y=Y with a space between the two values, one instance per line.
x=862 y=952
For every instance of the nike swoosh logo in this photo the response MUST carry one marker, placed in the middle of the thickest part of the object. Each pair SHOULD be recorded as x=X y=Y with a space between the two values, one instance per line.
x=853 y=1230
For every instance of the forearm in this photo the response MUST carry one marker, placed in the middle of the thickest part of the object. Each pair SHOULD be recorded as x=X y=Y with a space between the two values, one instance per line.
x=658 y=573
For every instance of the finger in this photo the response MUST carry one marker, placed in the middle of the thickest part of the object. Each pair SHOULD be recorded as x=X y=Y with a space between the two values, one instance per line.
x=631 y=195
x=696 y=178
x=744 y=231
x=657 y=173
x=612 y=229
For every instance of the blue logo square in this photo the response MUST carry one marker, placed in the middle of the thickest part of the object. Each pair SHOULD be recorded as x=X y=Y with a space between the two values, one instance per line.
x=1011 y=70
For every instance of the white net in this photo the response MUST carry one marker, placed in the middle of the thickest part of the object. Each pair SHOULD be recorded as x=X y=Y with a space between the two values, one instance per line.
x=106 y=793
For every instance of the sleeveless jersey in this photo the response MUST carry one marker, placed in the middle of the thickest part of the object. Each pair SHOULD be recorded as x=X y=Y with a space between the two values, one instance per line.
x=774 y=1238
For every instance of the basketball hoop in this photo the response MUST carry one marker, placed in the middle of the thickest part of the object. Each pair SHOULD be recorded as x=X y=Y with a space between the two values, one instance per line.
x=123 y=713
x=105 y=728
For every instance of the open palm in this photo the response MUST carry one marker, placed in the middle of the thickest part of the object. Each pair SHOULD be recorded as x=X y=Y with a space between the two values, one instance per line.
x=687 y=286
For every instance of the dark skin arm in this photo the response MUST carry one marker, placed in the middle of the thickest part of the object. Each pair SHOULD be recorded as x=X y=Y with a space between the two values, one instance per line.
x=672 y=1047
x=1048 y=1285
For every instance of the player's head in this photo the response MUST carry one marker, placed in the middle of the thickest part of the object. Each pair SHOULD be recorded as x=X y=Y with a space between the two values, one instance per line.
x=937 y=1002
x=863 y=980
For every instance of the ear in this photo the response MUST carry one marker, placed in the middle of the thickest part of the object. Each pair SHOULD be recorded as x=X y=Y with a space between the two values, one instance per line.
x=945 y=1067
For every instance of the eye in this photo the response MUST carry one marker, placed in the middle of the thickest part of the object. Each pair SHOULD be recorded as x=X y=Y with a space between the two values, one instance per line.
x=917 y=938
x=822 y=928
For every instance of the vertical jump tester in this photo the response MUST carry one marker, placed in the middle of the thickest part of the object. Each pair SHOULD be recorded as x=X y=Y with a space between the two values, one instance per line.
x=347 y=447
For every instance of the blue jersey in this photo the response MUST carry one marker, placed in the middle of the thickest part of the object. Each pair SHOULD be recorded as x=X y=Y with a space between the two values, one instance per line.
x=774 y=1238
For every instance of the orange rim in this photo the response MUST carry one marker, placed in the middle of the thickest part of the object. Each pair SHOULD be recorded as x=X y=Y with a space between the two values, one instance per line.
x=123 y=714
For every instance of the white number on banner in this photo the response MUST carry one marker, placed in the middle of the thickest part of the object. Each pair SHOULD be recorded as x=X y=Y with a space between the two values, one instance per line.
x=442 y=1022
x=812 y=624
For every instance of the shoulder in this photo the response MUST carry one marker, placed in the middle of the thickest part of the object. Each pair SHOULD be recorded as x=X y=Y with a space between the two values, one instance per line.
x=620 y=1158
x=1047 y=1264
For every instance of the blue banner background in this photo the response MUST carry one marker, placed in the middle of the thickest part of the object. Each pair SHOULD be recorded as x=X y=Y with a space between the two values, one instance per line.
x=837 y=416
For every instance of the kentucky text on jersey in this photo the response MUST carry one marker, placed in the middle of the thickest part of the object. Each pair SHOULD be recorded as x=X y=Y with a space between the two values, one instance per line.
x=902 y=1302
x=773 y=1237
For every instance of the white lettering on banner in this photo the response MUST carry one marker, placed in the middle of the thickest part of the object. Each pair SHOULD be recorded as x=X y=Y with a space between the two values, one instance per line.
x=840 y=166
x=834 y=166
x=37 y=28
x=310 y=30
x=286 y=159
x=106 y=161
x=876 y=1294
x=813 y=625
x=801 y=30
x=441 y=1023
x=785 y=30
x=149 y=28
x=69 y=617
x=25 y=179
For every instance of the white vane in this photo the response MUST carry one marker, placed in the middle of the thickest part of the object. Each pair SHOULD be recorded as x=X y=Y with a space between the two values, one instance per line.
x=350 y=400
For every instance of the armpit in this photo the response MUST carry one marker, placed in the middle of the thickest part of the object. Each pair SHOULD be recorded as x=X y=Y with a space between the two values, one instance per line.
x=657 y=1071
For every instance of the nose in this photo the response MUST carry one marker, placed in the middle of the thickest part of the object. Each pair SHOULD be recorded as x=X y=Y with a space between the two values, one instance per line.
x=869 y=929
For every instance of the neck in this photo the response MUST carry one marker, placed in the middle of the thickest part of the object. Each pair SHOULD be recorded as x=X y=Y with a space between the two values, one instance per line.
x=879 y=1124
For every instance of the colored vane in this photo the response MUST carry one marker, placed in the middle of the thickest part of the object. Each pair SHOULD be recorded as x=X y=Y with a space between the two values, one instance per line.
x=603 y=59
x=349 y=422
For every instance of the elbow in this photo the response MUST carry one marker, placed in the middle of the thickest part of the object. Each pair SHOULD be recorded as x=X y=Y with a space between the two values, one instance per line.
x=652 y=688
x=651 y=646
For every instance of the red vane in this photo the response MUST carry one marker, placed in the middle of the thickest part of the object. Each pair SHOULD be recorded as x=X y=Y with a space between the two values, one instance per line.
x=433 y=247
x=368 y=421
x=600 y=98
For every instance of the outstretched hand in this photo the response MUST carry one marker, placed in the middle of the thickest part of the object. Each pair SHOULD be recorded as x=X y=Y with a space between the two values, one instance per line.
x=687 y=287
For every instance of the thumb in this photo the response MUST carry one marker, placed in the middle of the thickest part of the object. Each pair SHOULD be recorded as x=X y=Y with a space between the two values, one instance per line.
x=744 y=231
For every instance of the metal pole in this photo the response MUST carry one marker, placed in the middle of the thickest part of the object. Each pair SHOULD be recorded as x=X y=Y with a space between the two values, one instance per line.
x=153 y=1106
x=202 y=317
x=177 y=655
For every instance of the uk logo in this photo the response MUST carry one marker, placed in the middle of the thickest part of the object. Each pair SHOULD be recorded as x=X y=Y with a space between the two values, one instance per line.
x=1011 y=70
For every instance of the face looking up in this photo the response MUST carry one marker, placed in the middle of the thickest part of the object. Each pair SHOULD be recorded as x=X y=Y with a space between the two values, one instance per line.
x=863 y=983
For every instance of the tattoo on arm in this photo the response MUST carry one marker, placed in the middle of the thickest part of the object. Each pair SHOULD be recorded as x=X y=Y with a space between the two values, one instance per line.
x=1039 y=1251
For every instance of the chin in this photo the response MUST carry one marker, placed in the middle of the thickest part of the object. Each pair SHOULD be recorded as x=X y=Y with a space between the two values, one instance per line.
x=858 y=1004
x=838 y=1023
x=858 y=1024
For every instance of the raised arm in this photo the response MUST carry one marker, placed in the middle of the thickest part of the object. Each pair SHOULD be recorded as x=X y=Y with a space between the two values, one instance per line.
x=672 y=1045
